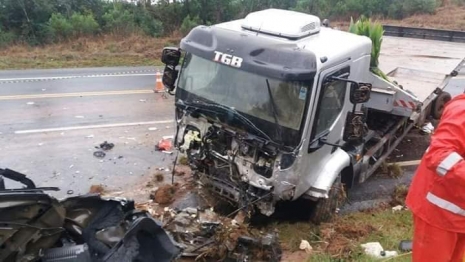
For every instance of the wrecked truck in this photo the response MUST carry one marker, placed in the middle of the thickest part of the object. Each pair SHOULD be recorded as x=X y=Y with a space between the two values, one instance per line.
x=278 y=106
x=34 y=226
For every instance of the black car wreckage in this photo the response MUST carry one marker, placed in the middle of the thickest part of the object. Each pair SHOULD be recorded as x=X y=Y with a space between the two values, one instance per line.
x=35 y=226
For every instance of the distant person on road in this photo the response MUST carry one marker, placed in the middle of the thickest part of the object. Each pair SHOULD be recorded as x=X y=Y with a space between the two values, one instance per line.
x=437 y=193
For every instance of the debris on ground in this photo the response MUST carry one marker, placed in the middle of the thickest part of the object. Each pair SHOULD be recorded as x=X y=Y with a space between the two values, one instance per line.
x=398 y=208
x=399 y=195
x=427 y=128
x=96 y=189
x=394 y=171
x=183 y=160
x=99 y=154
x=106 y=146
x=90 y=136
x=205 y=234
x=375 y=249
x=164 y=145
x=30 y=103
x=159 y=177
x=305 y=245
x=405 y=245
x=164 y=195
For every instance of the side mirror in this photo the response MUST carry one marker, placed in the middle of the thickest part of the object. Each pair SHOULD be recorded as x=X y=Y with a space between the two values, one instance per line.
x=360 y=93
x=354 y=127
x=171 y=56
x=169 y=78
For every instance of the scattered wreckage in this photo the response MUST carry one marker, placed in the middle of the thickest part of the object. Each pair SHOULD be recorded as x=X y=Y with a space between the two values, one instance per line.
x=202 y=233
x=34 y=226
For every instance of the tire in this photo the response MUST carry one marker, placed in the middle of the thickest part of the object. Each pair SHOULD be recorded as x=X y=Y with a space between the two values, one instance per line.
x=439 y=103
x=324 y=209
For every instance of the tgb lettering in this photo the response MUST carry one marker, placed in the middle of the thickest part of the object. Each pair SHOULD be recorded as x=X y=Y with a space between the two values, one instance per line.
x=228 y=59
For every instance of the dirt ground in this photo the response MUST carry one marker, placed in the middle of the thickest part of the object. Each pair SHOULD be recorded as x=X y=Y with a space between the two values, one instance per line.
x=447 y=17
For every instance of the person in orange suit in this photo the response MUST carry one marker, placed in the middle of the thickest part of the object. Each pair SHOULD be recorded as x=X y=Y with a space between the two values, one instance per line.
x=437 y=194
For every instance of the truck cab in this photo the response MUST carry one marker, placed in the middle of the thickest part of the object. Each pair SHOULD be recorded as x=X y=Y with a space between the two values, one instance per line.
x=274 y=107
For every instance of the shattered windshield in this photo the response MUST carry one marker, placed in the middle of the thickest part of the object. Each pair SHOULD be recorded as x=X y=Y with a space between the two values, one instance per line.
x=247 y=93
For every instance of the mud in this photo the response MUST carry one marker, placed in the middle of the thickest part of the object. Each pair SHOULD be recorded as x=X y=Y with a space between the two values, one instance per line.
x=411 y=148
x=164 y=195
x=338 y=237
x=97 y=189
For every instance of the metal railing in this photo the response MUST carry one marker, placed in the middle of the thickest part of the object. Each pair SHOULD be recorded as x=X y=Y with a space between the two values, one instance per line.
x=425 y=33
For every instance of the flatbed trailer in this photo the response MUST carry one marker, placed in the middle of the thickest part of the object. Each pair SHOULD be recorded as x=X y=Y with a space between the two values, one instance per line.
x=422 y=68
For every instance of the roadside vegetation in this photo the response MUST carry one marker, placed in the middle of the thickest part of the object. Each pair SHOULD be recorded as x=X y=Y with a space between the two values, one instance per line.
x=340 y=240
x=77 y=33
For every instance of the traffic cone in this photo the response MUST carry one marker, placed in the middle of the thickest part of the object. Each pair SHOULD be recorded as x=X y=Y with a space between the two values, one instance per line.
x=159 y=87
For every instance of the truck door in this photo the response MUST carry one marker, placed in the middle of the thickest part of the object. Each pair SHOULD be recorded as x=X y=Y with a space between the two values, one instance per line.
x=331 y=106
x=324 y=162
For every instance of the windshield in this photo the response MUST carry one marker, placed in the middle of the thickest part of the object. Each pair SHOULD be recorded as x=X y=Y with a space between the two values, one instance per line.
x=247 y=93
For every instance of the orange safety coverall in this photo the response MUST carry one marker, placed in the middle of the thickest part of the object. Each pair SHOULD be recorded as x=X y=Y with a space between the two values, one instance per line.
x=437 y=193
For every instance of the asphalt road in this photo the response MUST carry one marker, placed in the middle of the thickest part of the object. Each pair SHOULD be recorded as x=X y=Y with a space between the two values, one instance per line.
x=52 y=120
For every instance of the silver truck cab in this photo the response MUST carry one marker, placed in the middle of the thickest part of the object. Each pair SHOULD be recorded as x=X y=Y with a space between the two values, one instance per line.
x=276 y=107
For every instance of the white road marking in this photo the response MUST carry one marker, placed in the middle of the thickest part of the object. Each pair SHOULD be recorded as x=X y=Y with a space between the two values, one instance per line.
x=61 y=129
x=81 y=94
x=69 y=77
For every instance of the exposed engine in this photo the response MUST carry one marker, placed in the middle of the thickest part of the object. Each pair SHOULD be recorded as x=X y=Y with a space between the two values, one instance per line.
x=237 y=166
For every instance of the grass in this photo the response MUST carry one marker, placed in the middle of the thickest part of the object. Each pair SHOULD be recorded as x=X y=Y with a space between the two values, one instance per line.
x=448 y=17
x=340 y=240
x=137 y=50
x=107 y=50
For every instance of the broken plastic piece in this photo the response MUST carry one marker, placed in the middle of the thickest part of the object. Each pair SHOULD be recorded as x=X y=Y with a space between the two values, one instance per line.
x=405 y=245
x=373 y=249
x=304 y=245
x=164 y=145
x=99 y=154
x=428 y=128
x=106 y=146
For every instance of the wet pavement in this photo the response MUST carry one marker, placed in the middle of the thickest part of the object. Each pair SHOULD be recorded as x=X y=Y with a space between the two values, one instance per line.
x=52 y=120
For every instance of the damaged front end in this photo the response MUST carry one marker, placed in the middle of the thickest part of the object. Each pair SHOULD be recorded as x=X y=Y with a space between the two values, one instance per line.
x=34 y=226
x=244 y=169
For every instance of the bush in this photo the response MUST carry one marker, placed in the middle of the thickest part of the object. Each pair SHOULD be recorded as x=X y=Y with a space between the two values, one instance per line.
x=83 y=24
x=396 y=9
x=58 y=28
x=6 y=38
x=152 y=27
x=119 y=21
x=411 y=7
x=189 y=23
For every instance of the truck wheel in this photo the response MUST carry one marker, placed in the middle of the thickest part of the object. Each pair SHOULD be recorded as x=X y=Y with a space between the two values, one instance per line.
x=439 y=103
x=325 y=208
